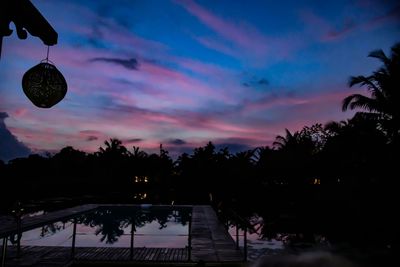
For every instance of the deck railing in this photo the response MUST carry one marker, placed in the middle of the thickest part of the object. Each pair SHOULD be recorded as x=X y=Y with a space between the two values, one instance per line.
x=231 y=217
x=132 y=239
x=5 y=238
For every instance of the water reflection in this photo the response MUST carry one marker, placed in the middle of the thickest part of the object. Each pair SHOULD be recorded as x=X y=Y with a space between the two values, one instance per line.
x=267 y=238
x=112 y=226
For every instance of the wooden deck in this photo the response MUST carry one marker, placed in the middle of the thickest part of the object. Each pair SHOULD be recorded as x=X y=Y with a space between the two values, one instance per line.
x=61 y=256
x=210 y=242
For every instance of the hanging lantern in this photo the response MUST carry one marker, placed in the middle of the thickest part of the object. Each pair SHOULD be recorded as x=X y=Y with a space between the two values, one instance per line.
x=44 y=84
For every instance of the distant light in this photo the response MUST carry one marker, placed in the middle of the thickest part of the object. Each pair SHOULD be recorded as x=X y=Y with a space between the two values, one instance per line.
x=140 y=196
x=141 y=179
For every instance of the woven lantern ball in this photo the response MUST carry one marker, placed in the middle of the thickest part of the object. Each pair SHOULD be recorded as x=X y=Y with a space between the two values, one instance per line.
x=44 y=85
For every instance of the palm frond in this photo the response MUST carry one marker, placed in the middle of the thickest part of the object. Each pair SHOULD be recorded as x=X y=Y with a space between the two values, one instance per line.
x=382 y=105
x=360 y=101
x=362 y=80
x=364 y=102
x=288 y=134
x=379 y=54
x=279 y=141
x=346 y=102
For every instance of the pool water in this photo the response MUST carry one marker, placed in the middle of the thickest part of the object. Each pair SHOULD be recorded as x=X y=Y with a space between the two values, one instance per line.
x=154 y=226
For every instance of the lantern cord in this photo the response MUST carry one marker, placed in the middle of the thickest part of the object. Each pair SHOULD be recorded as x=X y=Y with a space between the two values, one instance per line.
x=47 y=57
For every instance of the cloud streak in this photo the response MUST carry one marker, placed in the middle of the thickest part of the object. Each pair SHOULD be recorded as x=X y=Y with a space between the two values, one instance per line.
x=177 y=142
x=327 y=32
x=130 y=64
x=241 y=34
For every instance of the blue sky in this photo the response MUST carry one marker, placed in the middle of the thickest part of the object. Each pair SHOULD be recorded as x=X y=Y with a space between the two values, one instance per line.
x=183 y=73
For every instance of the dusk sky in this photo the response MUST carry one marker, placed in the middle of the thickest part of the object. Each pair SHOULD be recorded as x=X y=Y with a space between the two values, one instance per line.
x=183 y=73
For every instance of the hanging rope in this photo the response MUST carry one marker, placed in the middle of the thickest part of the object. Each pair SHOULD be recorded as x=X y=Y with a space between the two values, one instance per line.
x=47 y=56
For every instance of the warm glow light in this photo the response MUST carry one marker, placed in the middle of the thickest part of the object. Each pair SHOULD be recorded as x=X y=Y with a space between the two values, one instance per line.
x=140 y=196
x=141 y=179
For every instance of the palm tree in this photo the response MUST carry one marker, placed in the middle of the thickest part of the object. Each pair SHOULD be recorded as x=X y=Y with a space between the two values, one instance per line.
x=296 y=153
x=383 y=85
x=355 y=151
x=282 y=142
x=114 y=148
x=138 y=154
x=114 y=162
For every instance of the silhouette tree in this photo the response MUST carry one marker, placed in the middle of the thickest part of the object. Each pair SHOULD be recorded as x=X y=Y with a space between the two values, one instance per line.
x=283 y=142
x=138 y=162
x=137 y=153
x=241 y=177
x=355 y=150
x=384 y=88
x=114 y=162
x=295 y=153
x=109 y=223
x=336 y=127
x=113 y=148
x=308 y=140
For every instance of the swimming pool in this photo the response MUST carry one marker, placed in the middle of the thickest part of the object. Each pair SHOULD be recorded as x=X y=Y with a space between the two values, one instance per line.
x=116 y=226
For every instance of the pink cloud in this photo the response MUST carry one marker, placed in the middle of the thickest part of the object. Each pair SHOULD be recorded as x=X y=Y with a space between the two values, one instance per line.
x=392 y=16
x=197 y=127
x=323 y=29
x=169 y=101
x=335 y=34
x=156 y=80
x=271 y=102
x=90 y=135
x=181 y=83
x=79 y=19
x=320 y=108
x=242 y=34
x=38 y=139
x=90 y=132
x=133 y=122
x=20 y=112
x=334 y=97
